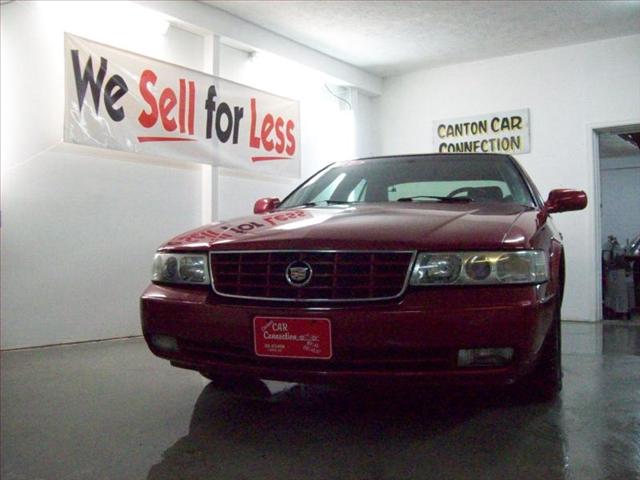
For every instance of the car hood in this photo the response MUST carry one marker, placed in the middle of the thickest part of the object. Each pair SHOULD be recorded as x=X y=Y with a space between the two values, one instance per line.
x=410 y=226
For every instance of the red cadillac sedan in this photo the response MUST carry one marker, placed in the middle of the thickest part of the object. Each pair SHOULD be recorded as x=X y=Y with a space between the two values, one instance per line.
x=440 y=268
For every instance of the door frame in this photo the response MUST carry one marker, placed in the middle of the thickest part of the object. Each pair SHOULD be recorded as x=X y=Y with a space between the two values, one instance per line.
x=593 y=147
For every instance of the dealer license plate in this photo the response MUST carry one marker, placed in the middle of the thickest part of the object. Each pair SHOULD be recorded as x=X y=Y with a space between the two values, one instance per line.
x=286 y=337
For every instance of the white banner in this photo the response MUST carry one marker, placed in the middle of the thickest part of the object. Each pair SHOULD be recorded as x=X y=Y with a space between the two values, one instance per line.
x=501 y=132
x=119 y=100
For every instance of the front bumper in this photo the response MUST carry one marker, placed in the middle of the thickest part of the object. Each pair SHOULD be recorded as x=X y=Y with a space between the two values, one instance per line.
x=413 y=339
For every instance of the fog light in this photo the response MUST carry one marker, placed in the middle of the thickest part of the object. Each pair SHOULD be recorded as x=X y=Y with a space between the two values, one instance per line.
x=484 y=357
x=165 y=343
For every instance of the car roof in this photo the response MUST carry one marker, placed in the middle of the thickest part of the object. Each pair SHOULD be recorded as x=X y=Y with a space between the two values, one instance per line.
x=418 y=155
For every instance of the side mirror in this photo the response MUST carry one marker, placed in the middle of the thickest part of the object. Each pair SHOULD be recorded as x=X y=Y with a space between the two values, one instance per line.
x=266 y=205
x=564 y=200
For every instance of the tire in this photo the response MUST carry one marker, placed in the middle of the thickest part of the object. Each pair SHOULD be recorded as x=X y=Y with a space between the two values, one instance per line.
x=544 y=383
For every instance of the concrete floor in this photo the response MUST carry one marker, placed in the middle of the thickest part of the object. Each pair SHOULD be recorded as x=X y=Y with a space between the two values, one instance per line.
x=111 y=410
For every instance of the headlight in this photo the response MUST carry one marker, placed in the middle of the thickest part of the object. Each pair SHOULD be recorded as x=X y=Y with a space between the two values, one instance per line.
x=436 y=268
x=480 y=268
x=180 y=268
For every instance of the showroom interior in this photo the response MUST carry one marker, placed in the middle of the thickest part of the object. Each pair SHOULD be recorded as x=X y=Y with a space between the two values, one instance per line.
x=87 y=200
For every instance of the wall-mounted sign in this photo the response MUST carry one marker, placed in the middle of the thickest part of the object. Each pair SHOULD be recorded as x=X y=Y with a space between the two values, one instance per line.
x=502 y=132
x=118 y=100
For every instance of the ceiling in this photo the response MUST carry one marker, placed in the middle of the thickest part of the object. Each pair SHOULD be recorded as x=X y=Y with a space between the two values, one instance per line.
x=613 y=146
x=394 y=37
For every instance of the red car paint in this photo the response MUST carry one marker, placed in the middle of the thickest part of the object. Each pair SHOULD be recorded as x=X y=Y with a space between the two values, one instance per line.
x=413 y=337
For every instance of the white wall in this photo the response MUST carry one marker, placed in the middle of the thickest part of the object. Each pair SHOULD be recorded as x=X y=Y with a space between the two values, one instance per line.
x=567 y=90
x=79 y=229
x=80 y=225
x=620 y=194
x=207 y=18
x=327 y=131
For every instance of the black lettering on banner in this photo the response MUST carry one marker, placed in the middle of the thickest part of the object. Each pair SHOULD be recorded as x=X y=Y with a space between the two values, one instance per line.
x=210 y=106
x=238 y=114
x=224 y=109
x=114 y=90
x=86 y=79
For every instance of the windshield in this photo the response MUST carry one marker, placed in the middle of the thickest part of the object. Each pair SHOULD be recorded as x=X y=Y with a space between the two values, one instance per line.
x=429 y=178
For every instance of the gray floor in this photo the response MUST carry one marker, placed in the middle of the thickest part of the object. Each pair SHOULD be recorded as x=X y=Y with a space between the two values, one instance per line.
x=111 y=410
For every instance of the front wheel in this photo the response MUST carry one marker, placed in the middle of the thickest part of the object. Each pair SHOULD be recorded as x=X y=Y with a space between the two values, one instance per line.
x=545 y=381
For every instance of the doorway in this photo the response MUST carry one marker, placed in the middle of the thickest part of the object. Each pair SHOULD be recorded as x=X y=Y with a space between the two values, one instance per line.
x=619 y=240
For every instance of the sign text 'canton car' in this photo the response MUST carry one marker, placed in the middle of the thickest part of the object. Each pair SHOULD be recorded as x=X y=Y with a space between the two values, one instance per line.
x=423 y=268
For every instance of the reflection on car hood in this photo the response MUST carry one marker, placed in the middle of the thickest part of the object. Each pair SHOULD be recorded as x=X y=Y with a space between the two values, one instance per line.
x=411 y=226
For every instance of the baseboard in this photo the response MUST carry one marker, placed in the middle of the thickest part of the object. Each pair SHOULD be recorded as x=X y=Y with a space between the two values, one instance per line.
x=66 y=344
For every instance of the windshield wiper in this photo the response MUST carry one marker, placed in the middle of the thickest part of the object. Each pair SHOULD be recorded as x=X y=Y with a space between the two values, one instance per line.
x=326 y=202
x=436 y=198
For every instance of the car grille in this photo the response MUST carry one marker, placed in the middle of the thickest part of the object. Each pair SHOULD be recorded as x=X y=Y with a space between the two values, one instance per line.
x=337 y=275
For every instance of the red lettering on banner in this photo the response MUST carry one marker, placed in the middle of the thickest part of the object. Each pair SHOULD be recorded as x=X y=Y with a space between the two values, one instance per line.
x=164 y=107
x=182 y=105
x=192 y=105
x=279 y=135
x=254 y=141
x=285 y=141
x=148 y=120
x=267 y=126
x=167 y=102
x=291 y=148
